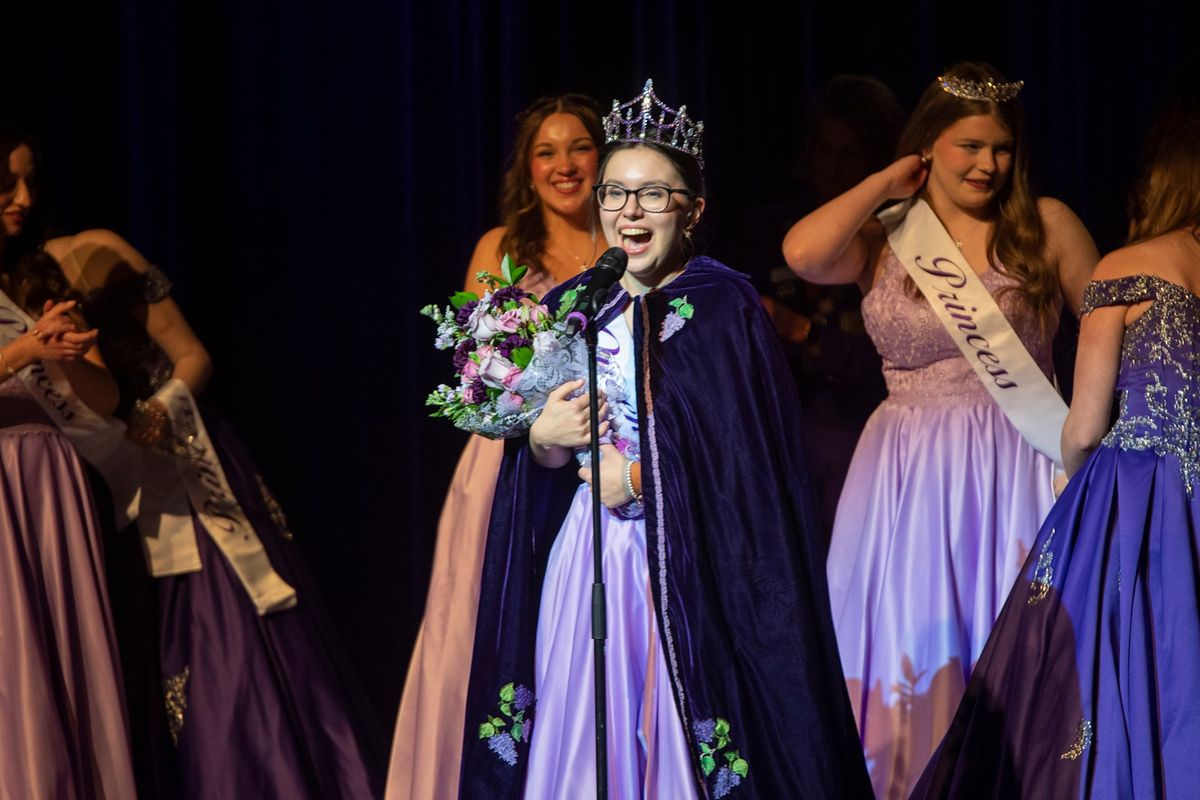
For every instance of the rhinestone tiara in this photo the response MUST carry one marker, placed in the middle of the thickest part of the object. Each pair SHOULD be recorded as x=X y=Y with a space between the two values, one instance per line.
x=996 y=91
x=635 y=122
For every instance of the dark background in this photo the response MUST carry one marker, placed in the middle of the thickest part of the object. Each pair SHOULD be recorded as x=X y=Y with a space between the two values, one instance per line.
x=310 y=173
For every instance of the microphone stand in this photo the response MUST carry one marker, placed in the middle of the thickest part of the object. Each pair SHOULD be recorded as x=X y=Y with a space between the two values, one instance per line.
x=599 y=615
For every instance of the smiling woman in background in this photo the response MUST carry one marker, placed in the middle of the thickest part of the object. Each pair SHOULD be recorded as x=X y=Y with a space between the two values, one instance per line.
x=550 y=226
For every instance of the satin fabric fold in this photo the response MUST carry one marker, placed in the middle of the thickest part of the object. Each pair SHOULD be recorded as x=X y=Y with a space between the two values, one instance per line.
x=65 y=732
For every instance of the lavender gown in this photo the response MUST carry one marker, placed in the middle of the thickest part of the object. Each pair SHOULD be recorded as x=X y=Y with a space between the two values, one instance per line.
x=64 y=735
x=940 y=507
x=256 y=706
x=1088 y=686
x=648 y=753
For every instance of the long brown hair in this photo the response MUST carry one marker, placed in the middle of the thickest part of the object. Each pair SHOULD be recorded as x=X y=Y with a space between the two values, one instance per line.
x=27 y=273
x=1018 y=239
x=1167 y=197
x=520 y=207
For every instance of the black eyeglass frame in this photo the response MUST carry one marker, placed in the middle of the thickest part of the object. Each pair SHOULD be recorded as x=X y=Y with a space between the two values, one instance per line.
x=637 y=194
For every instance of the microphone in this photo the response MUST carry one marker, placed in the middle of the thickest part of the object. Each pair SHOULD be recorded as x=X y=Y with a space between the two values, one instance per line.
x=598 y=281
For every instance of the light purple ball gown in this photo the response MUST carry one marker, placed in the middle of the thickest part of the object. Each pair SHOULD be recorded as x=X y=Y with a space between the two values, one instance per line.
x=62 y=714
x=940 y=507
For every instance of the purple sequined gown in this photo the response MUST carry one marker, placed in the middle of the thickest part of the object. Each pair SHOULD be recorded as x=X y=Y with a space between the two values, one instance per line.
x=939 y=510
x=63 y=733
x=1089 y=685
x=256 y=706
x=648 y=754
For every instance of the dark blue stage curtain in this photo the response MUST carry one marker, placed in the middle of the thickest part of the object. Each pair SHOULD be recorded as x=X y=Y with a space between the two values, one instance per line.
x=310 y=173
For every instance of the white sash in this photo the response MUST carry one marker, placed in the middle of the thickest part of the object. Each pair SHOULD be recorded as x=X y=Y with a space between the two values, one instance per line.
x=100 y=441
x=970 y=315
x=196 y=478
x=153 y=488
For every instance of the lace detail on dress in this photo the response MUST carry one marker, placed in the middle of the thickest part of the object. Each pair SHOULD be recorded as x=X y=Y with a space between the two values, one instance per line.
x=1160 y=400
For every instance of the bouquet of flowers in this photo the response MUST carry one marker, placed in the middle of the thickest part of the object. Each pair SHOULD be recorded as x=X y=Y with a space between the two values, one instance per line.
x=509 y=353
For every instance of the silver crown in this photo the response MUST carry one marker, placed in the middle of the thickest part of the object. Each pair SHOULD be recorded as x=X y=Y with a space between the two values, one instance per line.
x=996 y=91
x=634 y=122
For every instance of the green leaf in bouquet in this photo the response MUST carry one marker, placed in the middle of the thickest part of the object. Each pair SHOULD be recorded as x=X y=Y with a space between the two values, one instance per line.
x=493 y=392
x=519 y=273
x=567 y=302
x=506 y=265
x=460 y=299
x=521 y=356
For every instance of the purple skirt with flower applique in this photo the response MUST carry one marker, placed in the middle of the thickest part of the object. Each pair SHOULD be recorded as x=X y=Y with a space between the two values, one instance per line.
x=257 y=706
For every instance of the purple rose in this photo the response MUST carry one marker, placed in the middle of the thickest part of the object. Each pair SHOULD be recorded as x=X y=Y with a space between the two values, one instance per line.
x=495 y=369
x=482 y=325
x=506 y=293
x=475 y=392
x=465 y=312
x=511 y=343
x=509 y=321
x=462 y=354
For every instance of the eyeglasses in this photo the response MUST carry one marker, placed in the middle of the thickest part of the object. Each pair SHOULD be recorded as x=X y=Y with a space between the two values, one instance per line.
x=652 y=199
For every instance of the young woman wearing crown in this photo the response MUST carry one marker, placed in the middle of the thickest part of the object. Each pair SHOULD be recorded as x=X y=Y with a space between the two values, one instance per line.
x=723 y=676
x=1087 y=685
x=953 y=473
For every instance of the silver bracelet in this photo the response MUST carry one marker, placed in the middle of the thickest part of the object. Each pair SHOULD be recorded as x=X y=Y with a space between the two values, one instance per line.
x=633 y=496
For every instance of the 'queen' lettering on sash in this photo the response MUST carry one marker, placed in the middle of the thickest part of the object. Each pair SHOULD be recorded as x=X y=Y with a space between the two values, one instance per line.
x=956 y=278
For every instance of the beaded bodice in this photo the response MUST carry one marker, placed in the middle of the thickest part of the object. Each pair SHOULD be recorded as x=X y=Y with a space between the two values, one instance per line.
x=119 y=312
x=921 y=363
x=1157 y=382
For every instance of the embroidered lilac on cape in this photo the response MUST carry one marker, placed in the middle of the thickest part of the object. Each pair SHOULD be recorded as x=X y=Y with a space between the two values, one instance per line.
x=714 y=740
x=511 y=726
x=674 y=321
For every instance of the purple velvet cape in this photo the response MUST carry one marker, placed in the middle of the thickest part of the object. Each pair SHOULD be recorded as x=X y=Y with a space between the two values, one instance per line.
x=737 y=565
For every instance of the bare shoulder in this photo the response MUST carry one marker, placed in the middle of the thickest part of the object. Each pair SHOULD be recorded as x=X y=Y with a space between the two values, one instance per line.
x=96 y=257
x=1125 y=261
x=94 y=243
x=1063 y=226
x=489 y=245
x=486 y=257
